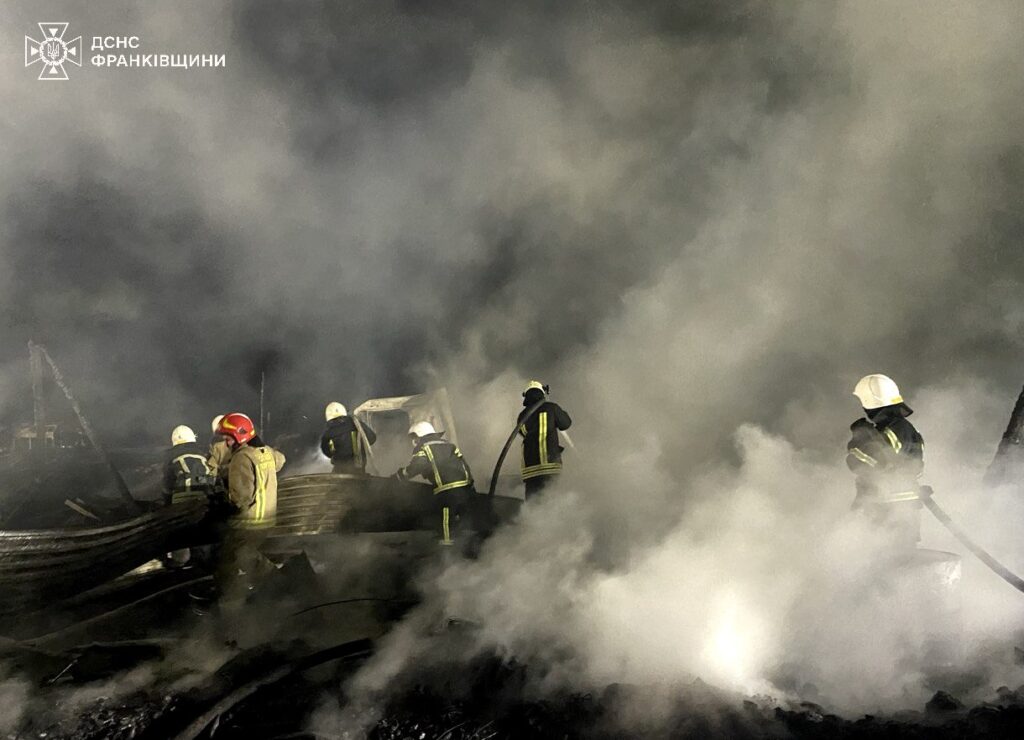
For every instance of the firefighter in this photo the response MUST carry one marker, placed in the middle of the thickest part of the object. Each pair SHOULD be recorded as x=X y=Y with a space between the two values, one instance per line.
x=886 y=453
x=252 y=494
x=220 y=453
x=542 y=453
x=186 y=479
x=186 y=475
x=441 y=463
x=341 y=440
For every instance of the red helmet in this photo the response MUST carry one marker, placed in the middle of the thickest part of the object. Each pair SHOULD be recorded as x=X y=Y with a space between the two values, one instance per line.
x=237 y=426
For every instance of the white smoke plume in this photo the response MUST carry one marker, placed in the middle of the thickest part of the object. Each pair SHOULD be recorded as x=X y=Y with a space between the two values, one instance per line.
x=769 y=586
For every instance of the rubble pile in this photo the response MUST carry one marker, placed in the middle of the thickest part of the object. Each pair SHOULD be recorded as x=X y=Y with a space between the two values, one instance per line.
x=494 y=706
x=280 y=692
x=116 y=719
x=254 y=694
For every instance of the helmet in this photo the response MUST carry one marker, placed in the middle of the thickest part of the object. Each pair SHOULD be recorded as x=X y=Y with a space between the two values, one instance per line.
x=876 y=391
x=536 y=385
x=334 y=410
x=182 y=434
x=216 y=423
x=421 y=429
x=237 y=426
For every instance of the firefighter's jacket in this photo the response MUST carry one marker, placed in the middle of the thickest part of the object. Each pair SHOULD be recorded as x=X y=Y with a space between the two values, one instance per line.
x=252 y=483
x=440 y=462
x=887 y=455
x=542 y=455
x=341 y=441
x=186 y=475
x=220 y=457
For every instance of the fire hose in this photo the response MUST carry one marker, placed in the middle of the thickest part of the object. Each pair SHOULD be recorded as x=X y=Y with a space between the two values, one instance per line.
x=508 y=444
x=998 y=568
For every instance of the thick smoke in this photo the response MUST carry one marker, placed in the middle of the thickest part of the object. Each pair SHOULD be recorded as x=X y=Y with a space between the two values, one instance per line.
x=700 y=222
x=375 y=197
x=768 y=586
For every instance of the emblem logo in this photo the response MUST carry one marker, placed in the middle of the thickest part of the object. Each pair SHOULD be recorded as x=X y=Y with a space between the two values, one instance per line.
x=53 y=51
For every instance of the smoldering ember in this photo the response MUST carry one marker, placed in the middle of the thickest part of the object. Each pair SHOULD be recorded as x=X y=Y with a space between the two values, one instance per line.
x=469 y=370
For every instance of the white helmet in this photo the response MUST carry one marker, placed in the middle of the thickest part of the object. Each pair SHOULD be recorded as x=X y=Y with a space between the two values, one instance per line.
x=876 y=391
x=421 y=429
x=334 y=410
x=182 y=434
x=216 y=423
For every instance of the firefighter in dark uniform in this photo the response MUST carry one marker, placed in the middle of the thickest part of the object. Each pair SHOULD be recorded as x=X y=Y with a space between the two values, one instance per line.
x=441 y=463
x=886 y=453
x=186 y=474
x=342 y=442
x=542 y=453
x=186 y=478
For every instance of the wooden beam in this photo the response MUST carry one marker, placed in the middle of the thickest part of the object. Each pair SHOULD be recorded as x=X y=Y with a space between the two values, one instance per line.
x=122 y=487
x=35 y=363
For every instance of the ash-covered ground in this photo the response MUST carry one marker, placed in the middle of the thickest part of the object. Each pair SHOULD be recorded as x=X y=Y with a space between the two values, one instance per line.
x=486 y=697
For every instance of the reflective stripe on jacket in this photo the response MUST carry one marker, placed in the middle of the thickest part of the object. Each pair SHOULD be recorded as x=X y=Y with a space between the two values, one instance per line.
x=186 y=474
x=441 y=463
x=252 y=483
x=541 y=453
x=341 y=441
x=887 y=456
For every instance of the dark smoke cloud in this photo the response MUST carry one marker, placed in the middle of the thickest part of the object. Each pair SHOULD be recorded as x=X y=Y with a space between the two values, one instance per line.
x=405 y=197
